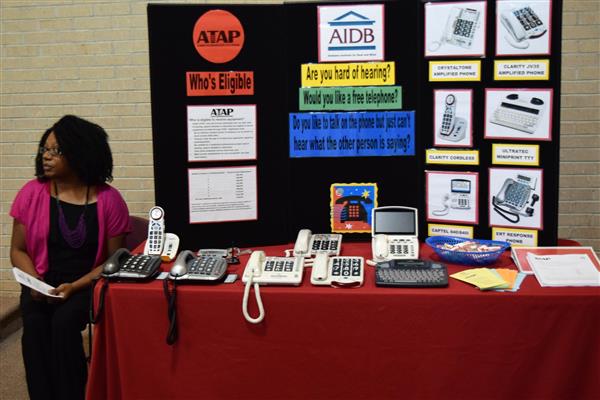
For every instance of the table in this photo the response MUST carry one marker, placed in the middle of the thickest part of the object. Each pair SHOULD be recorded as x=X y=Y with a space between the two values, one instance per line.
x=363 y=343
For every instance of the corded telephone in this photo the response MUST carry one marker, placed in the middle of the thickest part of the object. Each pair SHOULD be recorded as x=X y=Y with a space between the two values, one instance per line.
x=453 y=128
x=459 y=197
x=460 y=28
x=160 y=243
x=337 y=271
x=263 y=270
x=354 y=210
x=205 y=269
x=522 y=24
x=123 y=264
x=308 y=244
x=395 y=232
x=523 y=115
x=512 y=201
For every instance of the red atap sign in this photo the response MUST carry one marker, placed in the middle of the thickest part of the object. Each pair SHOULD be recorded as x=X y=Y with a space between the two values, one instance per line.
x=218 y=36
x=214 y=83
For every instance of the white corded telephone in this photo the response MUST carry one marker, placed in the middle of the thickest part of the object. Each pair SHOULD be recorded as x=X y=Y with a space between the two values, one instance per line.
x=309 y=244
x=459 y=197
x=453 y=128
x=160 y=243
x=263 y=270
x=395 y=231
x=522 y=24
x=460 y=28
x=523 y=114
x=512 y=201
x=337 y=271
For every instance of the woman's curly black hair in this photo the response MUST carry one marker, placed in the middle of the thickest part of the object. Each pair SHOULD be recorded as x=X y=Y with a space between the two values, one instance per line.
x=85 y=147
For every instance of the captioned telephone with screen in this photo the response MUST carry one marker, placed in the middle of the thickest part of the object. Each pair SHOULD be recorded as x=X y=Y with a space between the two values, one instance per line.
x=201 y=269
x=460 y=28
x=123 y=264
x=263 y=270
x=309 y=244
x=337 y=271
x=516 y=198
x=395 y=231
x=459 y=197
x=453 y=128
x=519 y=112
x=159 y=242
x=522 y=24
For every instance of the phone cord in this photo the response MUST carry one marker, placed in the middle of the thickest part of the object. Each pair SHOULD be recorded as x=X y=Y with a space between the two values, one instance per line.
x=95 y=318
x=503 y=212
x=171 y=297
x=261 y=309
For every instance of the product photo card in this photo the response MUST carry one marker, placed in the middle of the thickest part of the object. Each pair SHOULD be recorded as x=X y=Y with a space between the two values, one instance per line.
x=523 y=27
x=351 y=205
x=524 y=114
x=453 y=118
x=515 y=197
x=452 y=196
x=455 y=29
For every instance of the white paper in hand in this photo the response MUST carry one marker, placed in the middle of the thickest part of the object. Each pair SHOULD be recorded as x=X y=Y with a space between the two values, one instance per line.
x=25 y=279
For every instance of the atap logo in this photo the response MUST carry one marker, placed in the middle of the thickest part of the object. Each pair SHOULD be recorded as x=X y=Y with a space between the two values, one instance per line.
x=221 y=112
x=351 y=31
x=218 y=36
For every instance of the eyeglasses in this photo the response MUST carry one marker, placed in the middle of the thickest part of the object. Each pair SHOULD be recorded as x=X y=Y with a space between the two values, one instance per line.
x=53 y=151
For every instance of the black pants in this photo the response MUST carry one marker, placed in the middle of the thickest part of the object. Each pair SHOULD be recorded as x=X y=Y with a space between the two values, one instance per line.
x=55 y=364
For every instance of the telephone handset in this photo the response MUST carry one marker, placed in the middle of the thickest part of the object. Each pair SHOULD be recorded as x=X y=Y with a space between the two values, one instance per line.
x=453 y=128
x=308 y=244
x=388 y=247
x=522 y=23
x=337 y=271
x=123 y=264
x=264 y=270
x=513 y=198
x=159 y=242
x=205 y=269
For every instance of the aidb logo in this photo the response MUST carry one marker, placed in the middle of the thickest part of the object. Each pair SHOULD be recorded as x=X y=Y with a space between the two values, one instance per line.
x=351 y=31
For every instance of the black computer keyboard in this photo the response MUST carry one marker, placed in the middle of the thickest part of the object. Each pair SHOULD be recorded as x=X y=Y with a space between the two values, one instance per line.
x=411 y=273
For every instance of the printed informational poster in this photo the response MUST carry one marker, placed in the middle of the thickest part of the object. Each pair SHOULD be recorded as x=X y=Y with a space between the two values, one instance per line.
x=351 y=206
x=522 y=27
x=221 y=132
x=452 y=196
x=351 y=32
x=353 y=134
x=516 y=198
x=520 y=114
x=455 y=29
x=222 y=194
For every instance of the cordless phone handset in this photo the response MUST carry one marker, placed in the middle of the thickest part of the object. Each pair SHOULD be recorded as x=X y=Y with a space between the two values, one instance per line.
x=156 y=231
x=448 y=117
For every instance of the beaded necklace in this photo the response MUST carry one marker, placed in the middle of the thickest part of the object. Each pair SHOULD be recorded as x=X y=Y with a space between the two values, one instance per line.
x=74 y=237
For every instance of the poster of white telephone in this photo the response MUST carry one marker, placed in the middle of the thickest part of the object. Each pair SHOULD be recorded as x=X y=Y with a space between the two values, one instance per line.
x=159 y=242
x=516 y=197
x=520 y=114
x=455 y=28
x=337 y=271
x=265 y=270
x=522 y=27
x=395 y=233
x=452 y=196
x=308 y=244
x=452 y=118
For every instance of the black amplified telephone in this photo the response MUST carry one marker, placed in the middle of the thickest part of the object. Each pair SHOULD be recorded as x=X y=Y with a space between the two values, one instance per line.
x=123 y=264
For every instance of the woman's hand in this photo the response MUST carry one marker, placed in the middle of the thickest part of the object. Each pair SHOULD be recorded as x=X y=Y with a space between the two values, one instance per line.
x=64 y=290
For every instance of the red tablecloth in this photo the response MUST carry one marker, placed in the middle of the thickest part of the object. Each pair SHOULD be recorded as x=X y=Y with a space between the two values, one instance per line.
x=363 y=343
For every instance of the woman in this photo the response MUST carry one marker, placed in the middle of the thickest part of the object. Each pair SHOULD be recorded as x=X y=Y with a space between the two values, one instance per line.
x=66 y=223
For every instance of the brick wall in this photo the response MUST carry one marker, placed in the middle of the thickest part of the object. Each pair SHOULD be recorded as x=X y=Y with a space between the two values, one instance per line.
x=90 y=58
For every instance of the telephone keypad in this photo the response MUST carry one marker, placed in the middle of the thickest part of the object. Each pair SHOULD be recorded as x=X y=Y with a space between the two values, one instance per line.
x=207 y=266
x=346 y=266
x=139 y=266
x=326 y=243
x=279 y=265
x=516 y=195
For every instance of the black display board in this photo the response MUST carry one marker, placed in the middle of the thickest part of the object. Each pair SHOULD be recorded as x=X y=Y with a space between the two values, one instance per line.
x=294 y=193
